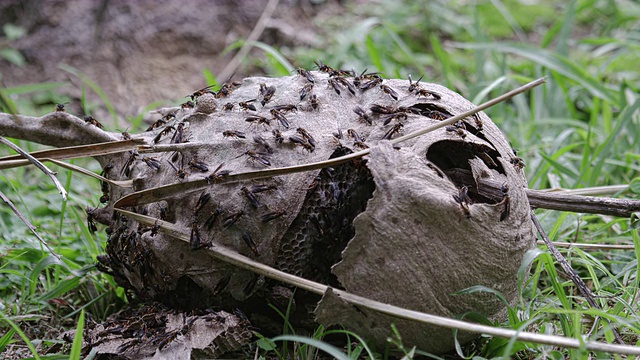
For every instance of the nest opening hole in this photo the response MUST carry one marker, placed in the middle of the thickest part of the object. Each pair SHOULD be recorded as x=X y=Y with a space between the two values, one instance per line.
x=452 y=158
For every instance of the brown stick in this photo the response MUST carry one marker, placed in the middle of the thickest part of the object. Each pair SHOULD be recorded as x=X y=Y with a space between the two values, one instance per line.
x=582 y=204
x=492 y=189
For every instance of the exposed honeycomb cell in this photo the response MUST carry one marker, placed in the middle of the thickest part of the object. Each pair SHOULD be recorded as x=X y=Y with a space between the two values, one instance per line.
x=321 y=231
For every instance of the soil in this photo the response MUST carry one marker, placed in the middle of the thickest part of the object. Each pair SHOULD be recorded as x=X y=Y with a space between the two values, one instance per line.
x=146 y=51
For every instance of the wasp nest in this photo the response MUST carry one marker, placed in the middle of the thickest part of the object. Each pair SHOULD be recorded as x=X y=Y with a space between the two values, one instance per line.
x=406 y=225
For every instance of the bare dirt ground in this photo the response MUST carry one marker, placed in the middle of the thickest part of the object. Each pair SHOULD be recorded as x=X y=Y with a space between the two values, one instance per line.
x=145 y=51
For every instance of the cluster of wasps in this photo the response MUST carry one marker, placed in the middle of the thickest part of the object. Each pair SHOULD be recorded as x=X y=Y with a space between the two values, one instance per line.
x=341 y=82
x=170 y=125
x=227 y=218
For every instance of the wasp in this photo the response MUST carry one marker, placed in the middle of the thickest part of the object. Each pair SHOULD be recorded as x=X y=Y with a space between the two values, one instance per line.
x=389 y=91
x=125 y=135
x=306 y=74
x=126 y=169
x=460 y=132
x=306 y=89
x=204 y=90
x=166 y=337
x=506 y=202
x=188 y=105
x=305 y=134
x=91 y=225
x=217 y=174
x=257 y=119
x=362 y=114
x=178 y=134
x=266 y=92
x=106 y=170
x=340 y=73
x=286 y=108
x=278 y=136
x=151 y=162
x=427 y=93
x=228 y=106
x=164 y=132
x=163 y=120
x=203 y=199
x=60 y=108
x=248 y=240
x=234 y=133
x=375 y=81
x=313 y=101
x=253 y=199
x=476 y=119
x=458 y=128
x=247 y=105
x=414 y=86
x=195 y=241
x=346 y=84
x=395 y=129
x=482 y=151
x=231 y=219
x=154 y=229
x=383 y=109
x=303 y=142
x=198 y=165
x=357 y=80
x=337 y=136
x=324 y=68
x=517 y=162
x=91 y=120
x=358 y=140
x=334 y=84
x=436 y=114
x=213 y=216
x=248 y=288
x=180 y=173
x=280 y=117
x=400 y=116
x=261 y=141
x=227 y=88
x=224 y=282
x=331 y=71
x=462 y=199
x=260 y=157
x=272 y=215
x=104 y=186
x=163 y=213
x=258 y=188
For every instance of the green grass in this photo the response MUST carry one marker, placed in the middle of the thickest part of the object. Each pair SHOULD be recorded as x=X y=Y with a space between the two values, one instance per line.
x=580 y=130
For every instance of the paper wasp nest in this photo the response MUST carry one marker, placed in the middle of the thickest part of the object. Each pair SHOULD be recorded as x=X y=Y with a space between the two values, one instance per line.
x=406 y=225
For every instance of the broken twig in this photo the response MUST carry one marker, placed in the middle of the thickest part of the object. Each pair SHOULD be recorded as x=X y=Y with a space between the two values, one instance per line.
x=38 y=164
x=29 y=225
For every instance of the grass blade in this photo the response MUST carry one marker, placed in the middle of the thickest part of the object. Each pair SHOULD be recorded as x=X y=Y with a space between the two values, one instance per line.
x=327 y=348
x=284 y=67
x=31 y=88
x=97 y=89
x=22 y=335
x=6 y=339
x=76 y=348
x=552 y=61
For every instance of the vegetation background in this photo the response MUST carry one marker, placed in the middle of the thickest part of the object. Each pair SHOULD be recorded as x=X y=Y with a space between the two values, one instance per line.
x=580 y=130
